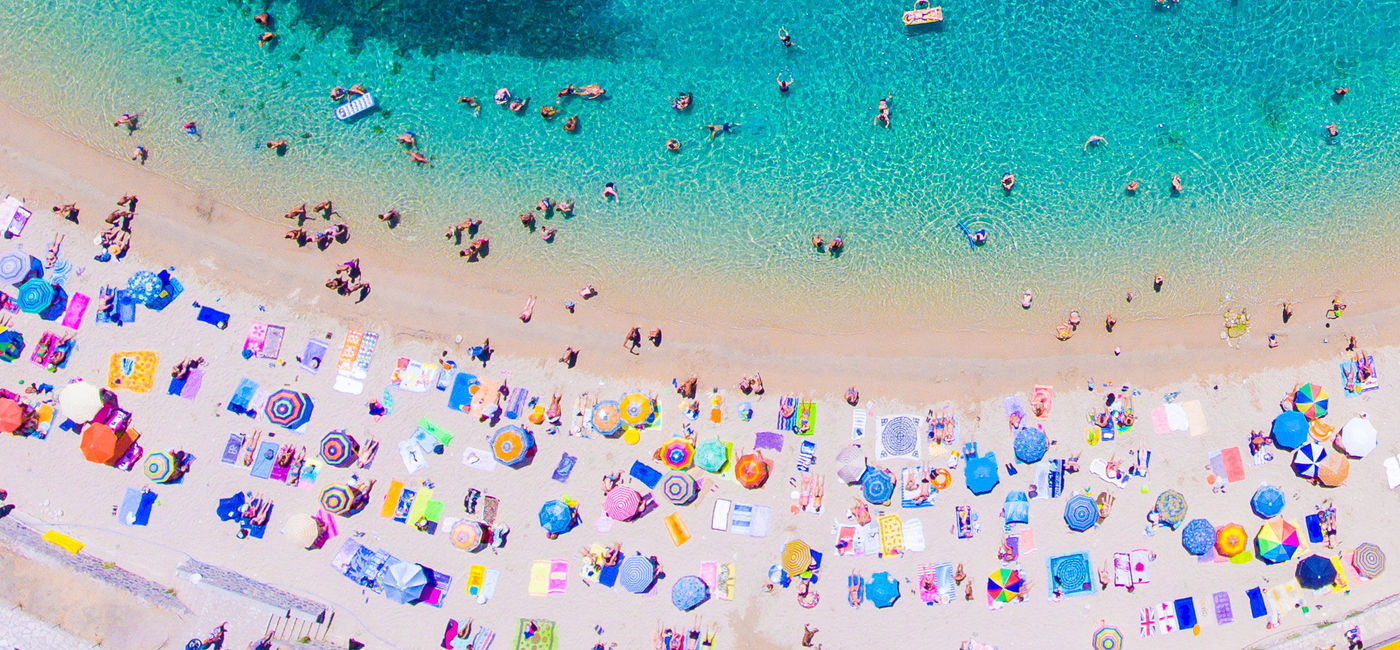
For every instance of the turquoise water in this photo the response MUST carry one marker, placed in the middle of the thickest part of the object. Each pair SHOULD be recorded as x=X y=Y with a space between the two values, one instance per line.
x=1233 y=96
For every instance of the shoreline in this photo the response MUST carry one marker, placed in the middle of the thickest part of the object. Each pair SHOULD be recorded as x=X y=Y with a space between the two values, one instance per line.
x=225 y=247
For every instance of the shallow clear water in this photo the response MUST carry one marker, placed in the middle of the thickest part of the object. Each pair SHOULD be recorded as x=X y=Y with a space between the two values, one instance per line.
x=1233 y=96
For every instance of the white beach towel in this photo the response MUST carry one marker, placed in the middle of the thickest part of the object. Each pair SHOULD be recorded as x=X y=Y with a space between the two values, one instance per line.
x=478 y=459
x=899 y=437
x=488 y=586
x=760 y=522
x=414 y=458
x=719 y=520
x=858 y=424
x=1099 y=468
x=1122 y=570
x=1166 y=618
x=1140 y=565
x=1177 y=421
x=1392 y=471
x=914 y=535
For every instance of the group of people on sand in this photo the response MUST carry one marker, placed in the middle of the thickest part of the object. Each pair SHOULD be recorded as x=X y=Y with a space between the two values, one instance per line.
x=1066 y=329
x=115 y=239
x=348 y=280
x=335 y=233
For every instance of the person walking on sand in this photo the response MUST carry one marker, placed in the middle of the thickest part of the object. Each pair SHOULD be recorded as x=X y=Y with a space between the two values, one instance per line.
x=807 y=633
x=633 y=340
x=655 y=337
x=569 y=358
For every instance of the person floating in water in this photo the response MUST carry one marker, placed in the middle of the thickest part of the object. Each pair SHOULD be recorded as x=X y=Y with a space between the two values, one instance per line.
x=1026 y=299
x=1339 y=93
x=1132 y=187
x=784 y=37
x=716 y=129
x=1008 y=181
x=267 y=37
x=1176 y=184
x=783 y=86
x=471 y=101
x=673 y=145
x=610 y=192
x=882 y=117
x=682 y=102
x=1095 y=141
x=192 y=129
x=1331 y=133
x=979 y=236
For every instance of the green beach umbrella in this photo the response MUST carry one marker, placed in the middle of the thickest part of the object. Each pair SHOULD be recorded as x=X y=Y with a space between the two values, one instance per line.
x=711 y=455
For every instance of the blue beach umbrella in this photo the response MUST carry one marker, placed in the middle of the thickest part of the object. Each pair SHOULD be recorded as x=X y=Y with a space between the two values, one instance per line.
x=1198 y=536
x=35 y=296
x=1267 y=501
x=1030 y=445
x=556 y=517
x=144 y=286
x=1307 y=458
x=1315 y=572
x=981 y=474
x=17 y=267
x=1290 y=430
x=1081 y=513
x=689 y=592
x=877 y=485
x=882 y=590
x=636 y=574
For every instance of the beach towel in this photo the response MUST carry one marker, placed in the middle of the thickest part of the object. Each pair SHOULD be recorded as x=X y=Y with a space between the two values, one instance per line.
x=1049 y=480
x=479 y=459
x=18 y=218
x=460 y=397
x=135 y=509
x=1044 y=395
x=1223 y=613
x=187 y=388
x=413 y=457
x=230 y=508
x=1140 y=563
x=124 y=304
x=761 y=521
x=1195 y=418
x=607 y=576
x=242 y=397
x=786 y=404
x=212 y=316
x=253 y=343
x=805 y=423
x=476 y=574
x=1099 y=467
x=391 y=500
x=1185 y=612
x=898 y=437
x=272 y=342
x=719 y=517
x=77 y=306
x=677 y=529
x=353 y=367
x=1147 y=622
x=1392 y=471
x=891 y=535
x=264 y=459
x=539 y=578
x=927 y=584
x=1314 y=523
x=516 y=403
x=921 y=494
x=648 y=475
x=1228 y=464
x=965 y=521
x=914 y=535
x=564 y=468
x=1353 y=387
x=439 y=584
x=422 y=503
x=310 y=472
x=313 y=355
x=858 y=418
x=943 y=579
x=1166 y=618
x=133 y=371
x=558 y=576
x=231 y=449
x=806 y=456
x=740 y=518
x=487 y=393
x=403 y=505
x=1122 y=570
x=768 y=440
x=414 y=376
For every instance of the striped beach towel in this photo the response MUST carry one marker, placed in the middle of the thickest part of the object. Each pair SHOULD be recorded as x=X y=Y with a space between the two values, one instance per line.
x=558 y=576
x=807 y=456
x=788 y=404
x=943 y=576
x=858 y=419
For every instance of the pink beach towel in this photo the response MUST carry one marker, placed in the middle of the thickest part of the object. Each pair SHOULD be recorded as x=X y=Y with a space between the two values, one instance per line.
x=328 y=521
x=558 y=576
x=77 y=306
x=1159 y=421
x=1027 y=537
x=709 y=574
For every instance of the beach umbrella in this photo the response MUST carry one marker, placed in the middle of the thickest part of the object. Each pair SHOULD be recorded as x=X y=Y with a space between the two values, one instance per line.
x=636 y=409
x=1290 y=429
x=159 y=466
x=1333 y=470
x=1368 y=560
x=1004 y=585
x=797 y=557
x=1277 y=541
x=57 y=307
x=144 y=286
x=1231 y=540
x=1267 y=501
x=337 y=499
x=636 y=574
x=511 y=445
x=1108 y=638
x=711 y=455
x=104 y=446
x=1315 y=572
x=1081 y=513
x=678 y=453
x=980 y=474
x=17 y=267
x=752 y=470
x=679 y=488
x=467 y=534
x=288 y=408
x=606 y=418
x=1311 y=401
x=338 y=448
x=11 y=415
x=622 y=503
x=1197 y=536
x=1307 y=458
x=1358 y=437
x=556 y=517
x=302 y=529
x=80 y=401
x=689 y=592
x=882 y=590
x=1171 y=508
x=11 y=345
x=877 y=485
x=403 y=582
x=1030 y=445
x=35 y=295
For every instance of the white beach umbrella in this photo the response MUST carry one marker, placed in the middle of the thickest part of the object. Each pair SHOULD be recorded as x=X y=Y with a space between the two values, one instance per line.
x=1358 y=437
x=80 y=401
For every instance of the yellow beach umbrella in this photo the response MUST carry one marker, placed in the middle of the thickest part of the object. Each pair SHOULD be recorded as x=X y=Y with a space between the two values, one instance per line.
x=797 y=556
x=637 y=409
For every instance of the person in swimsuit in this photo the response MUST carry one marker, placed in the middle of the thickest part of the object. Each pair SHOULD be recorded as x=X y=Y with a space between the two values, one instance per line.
x=784 y=37
x=784 y=85
x=882 y=117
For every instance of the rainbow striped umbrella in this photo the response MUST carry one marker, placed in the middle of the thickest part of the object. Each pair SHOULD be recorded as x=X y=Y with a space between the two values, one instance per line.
x=1004 y=585
x=678 y=453
x=1310 y=400
x=679 y=488
x=511 y=445
x=1108 y=638
x=338 y=448
x=622 y=503
x=606 y=418
x=337 y=499
x=636 y=409
x=159 y=466
x=1277 y=541
x=288 y=408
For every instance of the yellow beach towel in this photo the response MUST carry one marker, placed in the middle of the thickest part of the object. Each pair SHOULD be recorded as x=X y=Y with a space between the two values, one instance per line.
x=539 y=578
x=420 y=506
x=63 y=541
x=391 y=499
x=891 y=535
x=475 y=576
x=134 y=371
x=680 y=534
x=727 y=573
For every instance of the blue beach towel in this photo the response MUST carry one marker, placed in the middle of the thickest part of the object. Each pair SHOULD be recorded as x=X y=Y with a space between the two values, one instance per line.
x=1314 y=529
x=608 y=576
x=1185 y=613
x=136 y=507
x=313 y=355
x=943 y=580
x=257 y=532
x=1257 y=608
x=566 y=467
x=125 y=307
x=645 y=473
x=785 y=423
x=170 y=290
x=806 y=456
x=231 y=449
x=230 y=508
x=212 y=316
x=264 y=460
x=242 y=396
x=460 y=399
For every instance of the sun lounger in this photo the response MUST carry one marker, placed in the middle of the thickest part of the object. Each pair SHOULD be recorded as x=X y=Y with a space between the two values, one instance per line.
x=231 y=449
x=264 y=459
x=785 y=423
x=677 y=529
x=760 y=522
x=719 y=518
x=313 y=355
x=135 y=509
x=649 y=476
x=1223 y=613
x=213 y=317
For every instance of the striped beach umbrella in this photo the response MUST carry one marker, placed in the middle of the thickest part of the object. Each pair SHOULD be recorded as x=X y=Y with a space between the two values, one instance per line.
x=159 y=466
x=752 y=470
x=337 y=499
x=1108 y=638
x=622 y=503
x=1081 y=513
x=636 y=574
x=1308 y=458
x=17 y=267
x=1197 y=536
x=1231 y=540
x=1368 y=560
x=678 y=453
x=338 y=448
x=797 y=557
x=511 y=445
x=35 y=295
x=1267 y=501
x=636 y=409
x=288 y=408
x=1004 y=585
x=877 y=485
x=556 y=517
x=1030 y=445
x=711 y=455
x=679 y=488
x=1311 y=401
x=1277 y=541
x=467 y=534
x=689 y=592
x=606 y=418
x=1171 y=508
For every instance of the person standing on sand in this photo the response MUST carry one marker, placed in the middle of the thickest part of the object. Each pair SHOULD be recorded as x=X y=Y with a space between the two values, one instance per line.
x=807 y=633
x=569 y=358
x=633 y=340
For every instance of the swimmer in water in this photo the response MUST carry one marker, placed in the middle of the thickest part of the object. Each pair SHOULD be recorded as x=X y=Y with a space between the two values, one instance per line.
x=548 y=112
x=784 y=85
x=837 y=243
x=566 y=92
x=357 y=90
x=517 y=105
x=610 y=192
x=1176 y=184
x=419 y=158
x=408 y=139
x=571 y=124
x=140 y=154
x=471 y=101
x=192 y=129
x=673 y=145
x=1026 y=299
x=818 y=243
x=1339 y=93
x=267 y=37
x=784 y=37
x=565 y=208
x=882 y=117
x=263 y=19
x=1095 y=141
x=1007 y=182
x=591 y=91
x=682 y=102
x=502 y=96
x=1331 y=133
x=1132 y=187
x=338 y=93
x=716 y=129
x=979 y=236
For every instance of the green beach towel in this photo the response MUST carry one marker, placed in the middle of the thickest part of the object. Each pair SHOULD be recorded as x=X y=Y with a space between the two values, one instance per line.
x=804 y=422
x=542 y=639
x=440 y=434
x=433 y=512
